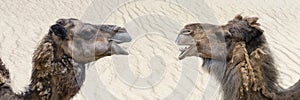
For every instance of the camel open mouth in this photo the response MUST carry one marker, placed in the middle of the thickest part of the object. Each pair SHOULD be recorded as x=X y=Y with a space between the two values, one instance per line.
x=186 y=45
x=121 y=37
x=117 y=49
x=186 y=50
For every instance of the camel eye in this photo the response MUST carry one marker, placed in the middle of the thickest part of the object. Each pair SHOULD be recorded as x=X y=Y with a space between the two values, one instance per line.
x=228 y=35
x=60 y=21
x=220 y=36
x=87 y=32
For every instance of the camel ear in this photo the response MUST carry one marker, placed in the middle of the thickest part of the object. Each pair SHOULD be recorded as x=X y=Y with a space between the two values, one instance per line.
x=190 y=27
x=253 y=23
x=238 y=17
x=59 y=31
x=252 y=20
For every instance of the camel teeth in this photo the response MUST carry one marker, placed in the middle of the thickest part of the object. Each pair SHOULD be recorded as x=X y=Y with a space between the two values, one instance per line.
x=183 y=47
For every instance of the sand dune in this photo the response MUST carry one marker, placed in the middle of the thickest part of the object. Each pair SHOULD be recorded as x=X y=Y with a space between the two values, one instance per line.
x=153 y=25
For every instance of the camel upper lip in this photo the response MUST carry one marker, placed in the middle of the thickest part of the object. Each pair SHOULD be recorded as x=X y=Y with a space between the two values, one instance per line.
x=121 y=37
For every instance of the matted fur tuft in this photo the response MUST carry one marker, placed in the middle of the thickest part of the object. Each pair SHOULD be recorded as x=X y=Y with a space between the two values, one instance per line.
x=4 y=74
x=251 y=62
x=51 y=78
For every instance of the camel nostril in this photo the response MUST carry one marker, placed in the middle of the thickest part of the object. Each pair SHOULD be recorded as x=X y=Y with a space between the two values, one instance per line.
x=185 y=31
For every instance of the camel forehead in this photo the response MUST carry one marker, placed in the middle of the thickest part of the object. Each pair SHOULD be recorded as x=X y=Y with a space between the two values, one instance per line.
x=79 y=28
x=203 y=26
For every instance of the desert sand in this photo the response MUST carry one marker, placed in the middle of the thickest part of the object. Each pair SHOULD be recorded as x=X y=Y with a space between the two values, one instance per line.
x=152 y=70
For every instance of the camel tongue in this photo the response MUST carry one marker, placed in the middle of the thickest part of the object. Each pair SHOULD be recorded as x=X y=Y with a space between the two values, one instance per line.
x=116 y=49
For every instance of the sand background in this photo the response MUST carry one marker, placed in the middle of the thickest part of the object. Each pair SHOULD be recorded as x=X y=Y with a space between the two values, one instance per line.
x=153 y=25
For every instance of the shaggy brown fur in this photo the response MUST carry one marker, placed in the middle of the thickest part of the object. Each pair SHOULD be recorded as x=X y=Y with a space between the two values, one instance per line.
x=5 y=89
x=238 y=55
x=52 y=77
x=59 y=61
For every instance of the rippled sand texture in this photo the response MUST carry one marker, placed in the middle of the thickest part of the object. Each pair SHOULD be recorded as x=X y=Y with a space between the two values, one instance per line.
x=152 y=70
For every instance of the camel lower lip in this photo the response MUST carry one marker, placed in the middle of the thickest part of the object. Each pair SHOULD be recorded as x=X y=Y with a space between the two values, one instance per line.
x=117 y=49
x=184 y=52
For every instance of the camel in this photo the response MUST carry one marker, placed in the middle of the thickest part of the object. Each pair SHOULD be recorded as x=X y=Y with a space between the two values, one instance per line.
x=59 y=61
x=237 y=54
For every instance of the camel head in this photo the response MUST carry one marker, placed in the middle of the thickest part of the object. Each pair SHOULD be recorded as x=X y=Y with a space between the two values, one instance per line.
x=86 y=42
x=216 y=41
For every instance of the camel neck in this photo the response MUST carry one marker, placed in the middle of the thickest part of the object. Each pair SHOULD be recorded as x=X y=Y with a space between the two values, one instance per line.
x=245 y=75
x=53 y=76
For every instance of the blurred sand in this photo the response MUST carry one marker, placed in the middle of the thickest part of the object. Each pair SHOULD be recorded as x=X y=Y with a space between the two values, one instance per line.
x=153 y=25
